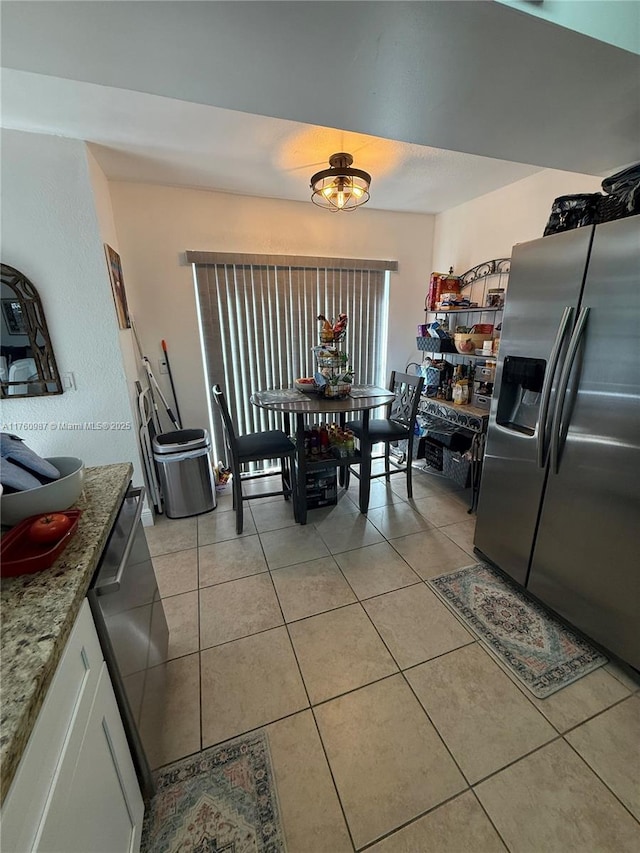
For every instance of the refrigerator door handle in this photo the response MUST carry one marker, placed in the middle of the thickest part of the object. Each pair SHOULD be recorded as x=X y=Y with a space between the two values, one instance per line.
x=562 y=387
x=548 y=382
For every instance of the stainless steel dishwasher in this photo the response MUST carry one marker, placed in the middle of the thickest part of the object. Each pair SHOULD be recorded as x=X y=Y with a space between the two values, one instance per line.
x=133 y=633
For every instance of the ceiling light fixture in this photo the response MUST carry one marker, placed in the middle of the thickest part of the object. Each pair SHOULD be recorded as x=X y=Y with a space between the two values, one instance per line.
x=340 y=187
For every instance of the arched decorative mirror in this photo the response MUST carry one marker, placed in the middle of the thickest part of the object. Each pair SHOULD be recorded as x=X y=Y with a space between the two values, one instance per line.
x=27 y=364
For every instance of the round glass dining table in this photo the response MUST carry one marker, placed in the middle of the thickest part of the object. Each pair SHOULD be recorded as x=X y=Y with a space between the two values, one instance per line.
x=289 y=401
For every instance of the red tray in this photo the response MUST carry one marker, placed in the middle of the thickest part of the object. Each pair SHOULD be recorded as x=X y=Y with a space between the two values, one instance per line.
x=20 y=555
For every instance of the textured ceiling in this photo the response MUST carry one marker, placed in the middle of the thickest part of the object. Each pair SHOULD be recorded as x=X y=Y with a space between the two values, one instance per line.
x=140 y=137
x=239 y=96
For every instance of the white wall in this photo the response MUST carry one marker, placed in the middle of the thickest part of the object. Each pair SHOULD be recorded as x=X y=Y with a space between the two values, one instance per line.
x=50 y=232
x=108 y=234
x=489 y=226
x=57 y=213
x=157 y=224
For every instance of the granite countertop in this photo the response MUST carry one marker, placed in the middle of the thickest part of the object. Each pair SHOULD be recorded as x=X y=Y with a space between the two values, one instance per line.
x=39 y=611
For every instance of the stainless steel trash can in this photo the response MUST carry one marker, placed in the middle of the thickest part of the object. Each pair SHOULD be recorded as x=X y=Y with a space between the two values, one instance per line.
x=184 y=470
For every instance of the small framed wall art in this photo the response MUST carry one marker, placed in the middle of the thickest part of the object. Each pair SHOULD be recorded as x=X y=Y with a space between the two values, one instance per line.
x=117 y=287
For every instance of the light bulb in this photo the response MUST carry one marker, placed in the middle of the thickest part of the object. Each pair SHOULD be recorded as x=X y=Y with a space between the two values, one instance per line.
x=357 y=192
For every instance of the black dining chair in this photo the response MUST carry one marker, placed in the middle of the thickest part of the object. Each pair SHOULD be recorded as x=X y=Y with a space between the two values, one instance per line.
x=255 y=447
x=399 y=424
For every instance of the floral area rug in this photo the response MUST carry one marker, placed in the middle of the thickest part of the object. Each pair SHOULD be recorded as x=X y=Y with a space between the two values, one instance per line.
x=222 y=800
x=536 y=646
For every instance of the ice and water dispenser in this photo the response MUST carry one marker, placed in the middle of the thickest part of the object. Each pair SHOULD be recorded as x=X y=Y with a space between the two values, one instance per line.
x=520 y=393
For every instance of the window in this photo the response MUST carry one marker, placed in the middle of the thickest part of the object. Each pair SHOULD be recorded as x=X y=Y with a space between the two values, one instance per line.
x=258 y=323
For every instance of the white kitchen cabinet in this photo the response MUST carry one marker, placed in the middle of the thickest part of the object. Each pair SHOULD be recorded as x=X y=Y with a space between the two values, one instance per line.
x=76 y=787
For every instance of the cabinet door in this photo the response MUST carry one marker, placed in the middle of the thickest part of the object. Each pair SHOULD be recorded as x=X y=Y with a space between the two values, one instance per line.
x=96 y=805
x=66 y=707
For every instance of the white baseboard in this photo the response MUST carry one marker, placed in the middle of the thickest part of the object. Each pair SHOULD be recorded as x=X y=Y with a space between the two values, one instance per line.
x=147 y=518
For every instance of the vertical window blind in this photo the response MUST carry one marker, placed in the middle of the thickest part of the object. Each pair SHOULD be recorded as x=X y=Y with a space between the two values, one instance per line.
x=258 y=323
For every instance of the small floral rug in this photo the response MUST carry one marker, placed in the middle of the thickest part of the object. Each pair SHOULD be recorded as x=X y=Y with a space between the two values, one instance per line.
x=537 y=647
x=222 y=800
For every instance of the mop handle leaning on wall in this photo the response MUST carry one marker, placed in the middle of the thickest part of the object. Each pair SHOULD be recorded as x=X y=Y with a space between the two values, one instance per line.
x=144 y=435
x=173 y=387
x=156 y=412
x=147 y=368
x=153 y=383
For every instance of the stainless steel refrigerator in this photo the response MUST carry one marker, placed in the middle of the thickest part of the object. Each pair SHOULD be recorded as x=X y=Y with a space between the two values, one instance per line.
x=559 y=504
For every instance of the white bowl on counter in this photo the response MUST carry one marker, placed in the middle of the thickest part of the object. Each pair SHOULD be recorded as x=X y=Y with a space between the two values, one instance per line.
x=60 y=494
x=306 y=387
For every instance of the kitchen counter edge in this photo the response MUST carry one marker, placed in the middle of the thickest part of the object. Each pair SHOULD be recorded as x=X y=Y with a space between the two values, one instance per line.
x=39 y=611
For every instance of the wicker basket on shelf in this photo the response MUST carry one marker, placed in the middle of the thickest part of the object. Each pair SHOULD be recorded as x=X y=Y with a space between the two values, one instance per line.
x=330 y=358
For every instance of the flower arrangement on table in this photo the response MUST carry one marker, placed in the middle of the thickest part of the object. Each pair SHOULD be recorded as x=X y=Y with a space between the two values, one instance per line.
x=334 y=375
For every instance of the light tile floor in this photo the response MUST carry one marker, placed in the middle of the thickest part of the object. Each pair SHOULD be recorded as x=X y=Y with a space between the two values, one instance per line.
x=390 y=728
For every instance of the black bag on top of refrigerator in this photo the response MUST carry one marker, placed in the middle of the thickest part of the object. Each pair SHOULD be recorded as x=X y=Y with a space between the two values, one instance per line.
x=572 y=211
x=623 y=195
